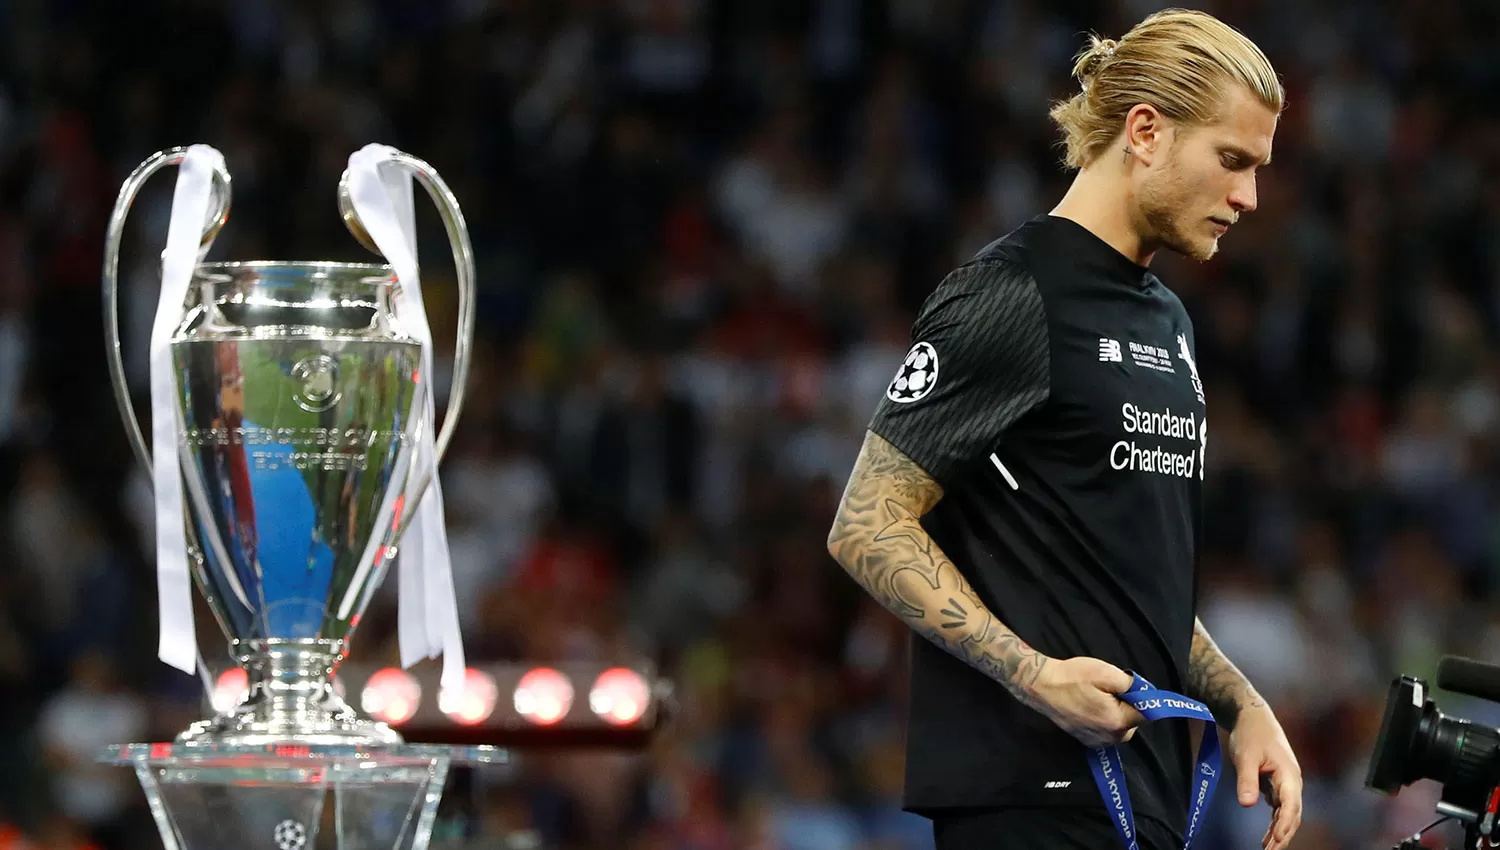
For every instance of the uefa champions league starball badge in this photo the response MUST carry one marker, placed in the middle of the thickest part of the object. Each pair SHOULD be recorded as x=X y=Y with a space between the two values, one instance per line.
x=916 y=377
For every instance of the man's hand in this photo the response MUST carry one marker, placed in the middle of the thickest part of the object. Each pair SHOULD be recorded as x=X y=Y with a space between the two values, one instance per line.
x=1262 y=757
x=1081 y=695
x=1264 y=761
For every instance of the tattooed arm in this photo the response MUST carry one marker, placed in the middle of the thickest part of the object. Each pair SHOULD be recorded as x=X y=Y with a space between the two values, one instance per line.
x=878 y=538
x=1264 y=763
x=1215 y=680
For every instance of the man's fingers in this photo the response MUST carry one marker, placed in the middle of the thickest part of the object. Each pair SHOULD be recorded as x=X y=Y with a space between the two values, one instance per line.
x=1288 y=815
x=1283 y=826
x=1276 y=832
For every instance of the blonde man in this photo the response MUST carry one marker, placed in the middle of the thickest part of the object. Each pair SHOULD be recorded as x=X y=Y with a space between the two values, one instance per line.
x=1028 y=497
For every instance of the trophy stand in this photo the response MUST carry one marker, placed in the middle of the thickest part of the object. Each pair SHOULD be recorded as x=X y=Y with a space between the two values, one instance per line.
x=296 y=797
x=290 y=693
x=290 y=403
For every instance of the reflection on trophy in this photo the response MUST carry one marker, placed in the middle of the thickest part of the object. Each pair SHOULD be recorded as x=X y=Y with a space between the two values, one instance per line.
x=293 y=401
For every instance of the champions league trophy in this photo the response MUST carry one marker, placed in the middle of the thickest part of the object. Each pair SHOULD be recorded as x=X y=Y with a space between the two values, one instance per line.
x=293 y=448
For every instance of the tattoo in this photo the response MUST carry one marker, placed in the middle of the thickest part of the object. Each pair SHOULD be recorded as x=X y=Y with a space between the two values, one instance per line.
x=878 y=538
x=1215 y=680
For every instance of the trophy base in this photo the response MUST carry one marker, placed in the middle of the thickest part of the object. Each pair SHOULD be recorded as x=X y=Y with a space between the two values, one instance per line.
x=251 y=729
x=290 y=700
x=217 y=797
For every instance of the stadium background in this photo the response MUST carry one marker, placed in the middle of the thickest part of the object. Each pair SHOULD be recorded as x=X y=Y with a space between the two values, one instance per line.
x=702 y=230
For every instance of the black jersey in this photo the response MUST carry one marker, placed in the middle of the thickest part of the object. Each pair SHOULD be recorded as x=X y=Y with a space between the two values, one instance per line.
x=1052 y=391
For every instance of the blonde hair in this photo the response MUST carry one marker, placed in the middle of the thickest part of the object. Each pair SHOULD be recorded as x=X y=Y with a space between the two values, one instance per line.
x=1180 y=61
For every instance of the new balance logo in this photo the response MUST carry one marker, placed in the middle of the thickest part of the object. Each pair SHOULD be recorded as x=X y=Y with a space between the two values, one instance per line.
x=1057 y=784
x=1109 y=350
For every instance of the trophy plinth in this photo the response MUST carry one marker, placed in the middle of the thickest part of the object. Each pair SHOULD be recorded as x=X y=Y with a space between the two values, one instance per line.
x=295 y=797
x=290 y=700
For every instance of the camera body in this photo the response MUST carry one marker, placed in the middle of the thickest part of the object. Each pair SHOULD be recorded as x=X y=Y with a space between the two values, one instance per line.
x=1418 y=741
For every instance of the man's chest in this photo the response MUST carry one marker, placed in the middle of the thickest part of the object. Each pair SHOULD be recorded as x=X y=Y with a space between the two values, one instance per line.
x=1125 y=397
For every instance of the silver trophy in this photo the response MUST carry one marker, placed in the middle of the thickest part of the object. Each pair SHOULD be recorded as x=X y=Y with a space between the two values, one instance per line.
x=299 y=419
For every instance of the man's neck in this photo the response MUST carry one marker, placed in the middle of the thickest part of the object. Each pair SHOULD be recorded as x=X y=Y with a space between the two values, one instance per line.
x=1099 y=202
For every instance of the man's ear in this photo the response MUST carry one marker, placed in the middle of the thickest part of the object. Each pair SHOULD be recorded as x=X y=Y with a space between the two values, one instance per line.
x=1147 y=132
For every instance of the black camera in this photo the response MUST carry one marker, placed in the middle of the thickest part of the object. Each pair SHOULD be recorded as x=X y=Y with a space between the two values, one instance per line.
x=1418 y=741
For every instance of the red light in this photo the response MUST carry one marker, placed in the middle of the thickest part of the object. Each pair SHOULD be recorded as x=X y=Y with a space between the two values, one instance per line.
x=543 y=696
x=619 y=696
x=474 y=702
x=391 y=695
x=230 y=689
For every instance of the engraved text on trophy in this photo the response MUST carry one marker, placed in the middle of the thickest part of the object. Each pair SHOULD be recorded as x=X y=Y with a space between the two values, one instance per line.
x=327 y=449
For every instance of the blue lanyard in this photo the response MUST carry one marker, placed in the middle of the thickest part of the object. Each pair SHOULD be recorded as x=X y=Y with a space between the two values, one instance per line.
x=1109 y=770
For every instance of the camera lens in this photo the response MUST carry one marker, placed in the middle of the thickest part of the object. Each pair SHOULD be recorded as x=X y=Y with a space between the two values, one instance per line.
x=1417 y=741
x=1454 y=751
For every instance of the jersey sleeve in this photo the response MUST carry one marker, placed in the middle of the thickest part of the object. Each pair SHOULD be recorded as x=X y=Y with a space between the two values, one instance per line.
x=979 y=361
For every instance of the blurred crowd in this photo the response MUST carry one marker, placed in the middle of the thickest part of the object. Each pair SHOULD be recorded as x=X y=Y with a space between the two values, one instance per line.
x=702 y=231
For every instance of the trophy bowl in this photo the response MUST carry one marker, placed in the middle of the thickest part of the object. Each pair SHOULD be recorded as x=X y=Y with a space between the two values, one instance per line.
x=297 y=386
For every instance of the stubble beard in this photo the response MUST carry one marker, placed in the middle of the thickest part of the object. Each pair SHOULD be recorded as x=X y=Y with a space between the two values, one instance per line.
x=1161 y=212
x=1163 y=202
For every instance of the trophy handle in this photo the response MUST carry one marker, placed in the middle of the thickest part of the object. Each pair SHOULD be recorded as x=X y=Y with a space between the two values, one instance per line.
x=463 y=257
x=218 y=214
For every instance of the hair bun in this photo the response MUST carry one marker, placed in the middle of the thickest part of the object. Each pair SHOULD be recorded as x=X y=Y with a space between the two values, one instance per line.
x=1100 y=51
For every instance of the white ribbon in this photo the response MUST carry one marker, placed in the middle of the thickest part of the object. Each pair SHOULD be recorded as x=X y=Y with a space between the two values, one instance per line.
x=177 y=642
x=427 y=615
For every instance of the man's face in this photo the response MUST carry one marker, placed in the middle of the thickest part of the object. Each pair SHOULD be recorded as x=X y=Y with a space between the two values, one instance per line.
x=1205 y=177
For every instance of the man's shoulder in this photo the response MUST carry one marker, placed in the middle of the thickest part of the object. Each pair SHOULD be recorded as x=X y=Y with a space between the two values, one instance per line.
x=990 y=283
x=1002 y=269
x=992 y=292
x=1014 y=249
